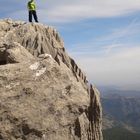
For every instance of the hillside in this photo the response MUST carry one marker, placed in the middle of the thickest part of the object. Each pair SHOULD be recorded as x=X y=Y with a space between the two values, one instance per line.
x=119 y=133
x=121 y=115
x=123 y=110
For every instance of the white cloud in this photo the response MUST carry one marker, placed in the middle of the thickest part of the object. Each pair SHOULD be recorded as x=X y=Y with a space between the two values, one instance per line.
x=109 y=48
x=119 y=68
x=67 y=11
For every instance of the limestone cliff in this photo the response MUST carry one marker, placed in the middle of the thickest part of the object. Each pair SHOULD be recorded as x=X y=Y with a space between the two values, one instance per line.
x=44 y=95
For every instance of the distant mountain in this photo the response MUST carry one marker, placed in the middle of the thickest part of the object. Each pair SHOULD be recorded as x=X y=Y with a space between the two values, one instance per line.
x=122 y=110
x=121 y=115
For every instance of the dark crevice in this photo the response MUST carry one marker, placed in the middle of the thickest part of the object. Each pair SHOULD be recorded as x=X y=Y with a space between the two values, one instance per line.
x=93 y=113
x=1 y=137
x=75 y=75
x=57 y=59
x=6 y=58
x=91 y=107
x=27 y=42
x=26 y=131
x=72 y=62
x=35 y=42
x=77 y=128
x=42 y=50
x=3 y=62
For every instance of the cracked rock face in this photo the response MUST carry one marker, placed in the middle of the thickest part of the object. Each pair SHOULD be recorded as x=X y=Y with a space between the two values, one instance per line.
x=44 y=95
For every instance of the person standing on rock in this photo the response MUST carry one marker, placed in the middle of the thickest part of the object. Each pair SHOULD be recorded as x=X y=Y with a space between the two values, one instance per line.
x=32 y=10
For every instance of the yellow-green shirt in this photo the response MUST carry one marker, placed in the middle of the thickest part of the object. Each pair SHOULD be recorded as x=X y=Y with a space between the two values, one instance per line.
x=31 y=6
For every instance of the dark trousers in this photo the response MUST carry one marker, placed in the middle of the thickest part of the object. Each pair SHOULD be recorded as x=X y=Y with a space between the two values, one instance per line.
x=33 y=13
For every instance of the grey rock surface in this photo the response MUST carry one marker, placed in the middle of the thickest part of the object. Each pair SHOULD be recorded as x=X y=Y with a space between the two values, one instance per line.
x=44 y=95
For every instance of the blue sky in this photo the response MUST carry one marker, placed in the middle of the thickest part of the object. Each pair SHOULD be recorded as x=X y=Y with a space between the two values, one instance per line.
x=102 y=35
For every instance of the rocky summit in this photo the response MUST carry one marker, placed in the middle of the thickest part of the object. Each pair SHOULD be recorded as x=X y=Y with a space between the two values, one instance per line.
x=44 y=95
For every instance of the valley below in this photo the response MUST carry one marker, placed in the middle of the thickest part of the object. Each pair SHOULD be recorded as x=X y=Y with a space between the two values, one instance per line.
x=121 y=114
